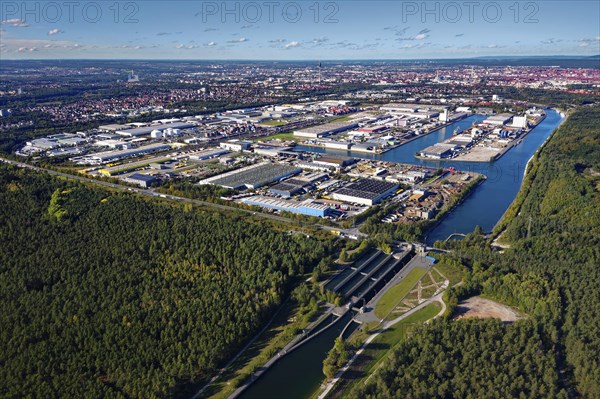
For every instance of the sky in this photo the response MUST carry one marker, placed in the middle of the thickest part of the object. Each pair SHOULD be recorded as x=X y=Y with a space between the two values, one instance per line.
x=296 y=30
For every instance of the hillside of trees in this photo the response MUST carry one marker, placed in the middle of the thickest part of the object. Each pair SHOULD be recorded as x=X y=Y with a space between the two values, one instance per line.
x=551 y=272
x=110 y=295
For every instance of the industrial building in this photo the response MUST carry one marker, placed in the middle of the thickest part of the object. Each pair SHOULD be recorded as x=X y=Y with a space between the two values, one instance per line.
x=308 y=207
x=337 y=145
x=461 y=140
x=498 y=120
x=288 y=188
x=411 y=176
x=365 y=191
x=325 y=130
x=207 y=154
x=252 y=177
x=271 y=151
x=103 y=157
x=438 y=151
x=333 y=162
x=113 y=127
x=140 y=180
x=520 y=122
x=55 y=141
x=147 y=130
x=236 y=145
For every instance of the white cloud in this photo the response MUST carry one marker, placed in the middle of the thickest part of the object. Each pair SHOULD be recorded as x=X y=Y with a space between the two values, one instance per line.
x=211 y=44
x=55 y=31
x=292 y=45
x=17 y=22
x=240 y=40
x=188 y=47
x=421 y=36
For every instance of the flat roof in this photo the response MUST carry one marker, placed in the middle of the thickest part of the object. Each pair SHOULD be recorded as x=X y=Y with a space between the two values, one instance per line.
x=253 y=176
x=141 y=177
x=334 y=160
x=140 y=131
x=320 y=129
x=130 y=152
x=367 y=188
x=113 y=127
x=284 y=204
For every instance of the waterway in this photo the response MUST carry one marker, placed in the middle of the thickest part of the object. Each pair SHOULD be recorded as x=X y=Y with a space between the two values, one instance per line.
x=299 y=374
x=488 y=202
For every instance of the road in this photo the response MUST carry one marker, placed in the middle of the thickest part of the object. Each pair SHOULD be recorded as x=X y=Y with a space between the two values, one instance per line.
x=152 y=193
x=386 y=325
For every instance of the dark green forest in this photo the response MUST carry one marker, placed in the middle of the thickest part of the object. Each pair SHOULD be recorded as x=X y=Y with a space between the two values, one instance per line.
x=551 y=272
x=107 y=294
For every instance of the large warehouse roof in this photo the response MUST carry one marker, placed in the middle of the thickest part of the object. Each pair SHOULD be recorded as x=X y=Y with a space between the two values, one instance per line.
x=144 y=130
x=253 y=176
x=367 y=188
x=120 y=154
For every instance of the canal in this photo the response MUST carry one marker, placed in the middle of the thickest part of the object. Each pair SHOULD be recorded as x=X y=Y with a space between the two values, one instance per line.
x=299 y=374
x=488 y=202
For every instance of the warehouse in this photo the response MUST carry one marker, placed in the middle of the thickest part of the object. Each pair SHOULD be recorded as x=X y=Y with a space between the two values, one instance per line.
x=334 y=162
x=337 y=145
x=288 y=187
x=113 y=127
x=438 y=151
x=146 y=130
x=236 y=145
x=365 y=191
x=308 y=207
x=271 y=151
x=206 y=154
x=103 y=157
x=498 y=120
x=252 y=177
x=140 y=180
x=325 y=130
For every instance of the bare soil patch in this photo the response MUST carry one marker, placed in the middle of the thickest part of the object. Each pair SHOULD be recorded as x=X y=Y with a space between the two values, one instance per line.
x=482 y=308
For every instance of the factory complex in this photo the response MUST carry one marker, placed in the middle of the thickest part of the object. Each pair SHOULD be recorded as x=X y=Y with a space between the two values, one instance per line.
x=234 y=151
x=486 y=141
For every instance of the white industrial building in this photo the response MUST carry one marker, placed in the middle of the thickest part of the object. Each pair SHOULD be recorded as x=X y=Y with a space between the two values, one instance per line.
x=498 y=120
x=519 y=121
x=236 y=145
x=337 y=145
x=103 y=157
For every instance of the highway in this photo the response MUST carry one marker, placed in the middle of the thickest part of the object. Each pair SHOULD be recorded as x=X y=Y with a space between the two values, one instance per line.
x=152 y=193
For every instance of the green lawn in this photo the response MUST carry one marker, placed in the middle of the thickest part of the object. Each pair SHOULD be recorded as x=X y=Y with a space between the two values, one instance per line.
x=395 y=294
x=374 y=353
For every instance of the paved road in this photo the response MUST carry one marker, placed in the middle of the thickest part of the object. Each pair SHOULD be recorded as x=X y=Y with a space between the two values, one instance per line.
x=152 y=193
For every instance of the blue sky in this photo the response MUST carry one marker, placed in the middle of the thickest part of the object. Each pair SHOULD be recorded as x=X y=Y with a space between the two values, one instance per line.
x=296 y=30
